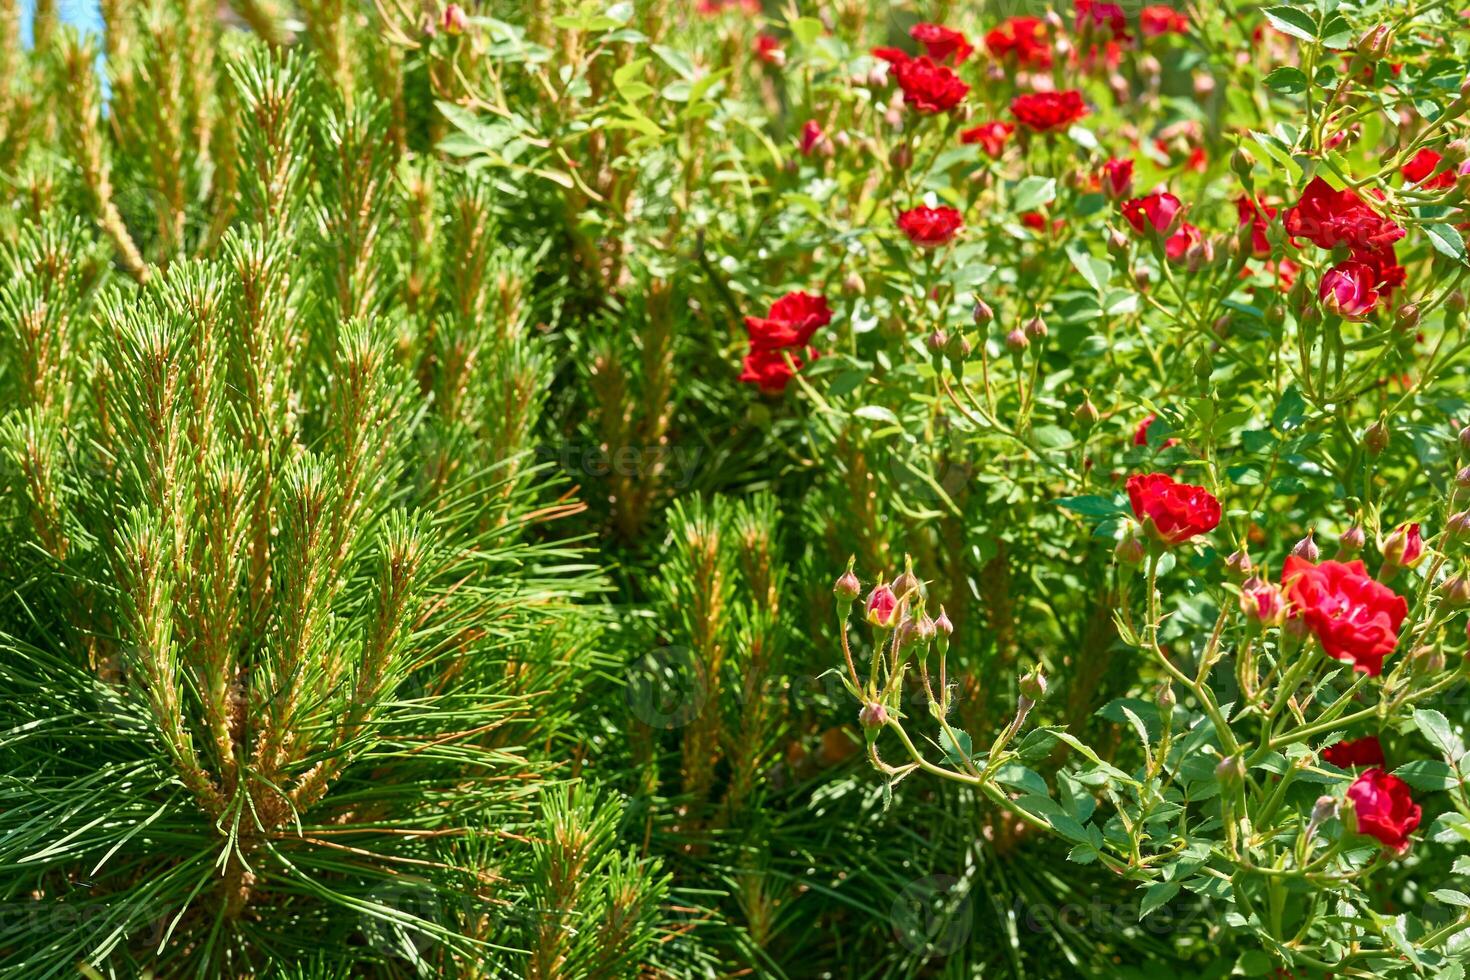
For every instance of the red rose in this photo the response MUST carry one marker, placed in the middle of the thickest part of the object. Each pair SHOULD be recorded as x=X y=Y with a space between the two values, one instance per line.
x=1024 y=39
x=1045 y=112
x=792 y=321
x=811 y=137
x=768 y=49
x=1172 y=512
x=1426 y=162
x=882 y=604
x=991 y=136
x=941 y=43
x=1157 y=20
x=1140 y=434
x=1091 y=14
x=1178 y=244
x=768 y=368
x=891 y=55
x=928 y=87
x=1117 y=178
x=1258 y=214
x=1328 y=218
x=1348 y=289
x=1383 y=809
x=930 y=227
x=1158 y=210
x=1355 y=618
x=1364 y=751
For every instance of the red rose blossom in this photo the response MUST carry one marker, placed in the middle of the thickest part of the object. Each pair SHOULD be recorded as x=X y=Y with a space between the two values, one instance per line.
x=1328 y=218
x=928 y=87
x=1023 y=38
x=1140 y=434
x=930 y=227
x=1365 y=751
x=1355 y=618
x=1349 y=290
x=811 y=137
x=792 y=321
x=1094 y=15
x=1383 y=809
x=768 y=368
x=1156 y=20
x=1159 y=210
x=1172 y=512
x=1178 y=244
x=992 y=136
x=1258 y=214
x=768 y=49
x=941 y=43
x=1045 y=112
x=1425 y=162
x=1117 y=178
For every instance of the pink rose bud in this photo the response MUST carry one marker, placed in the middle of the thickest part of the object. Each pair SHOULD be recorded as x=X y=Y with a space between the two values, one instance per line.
x=1350 y=290
x=1375 y=437
x=1033 y=686
x=1016 y=341
x=873 y=716
x=1404 y=548
x=982 y=313
x=1462 y=478
x=882 y=604
x=1239 y=564
x=455 y=20
x=1263 y=603
x=1036 y=328
x=942 y=626
x=907 y=585
x=1458 y=526
x=1306 y=548
x=1353 y=540
x=847 y=586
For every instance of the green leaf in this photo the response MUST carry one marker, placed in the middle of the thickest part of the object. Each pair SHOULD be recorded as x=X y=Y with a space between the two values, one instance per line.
x=1451 y=897
x=1287 y=80
x=806 y=30
x=1032 y=193
x=1431 y=775
x=1157 y=895
x=1021 y=778
x=1436 y=727
x=1094 y=505
x=1447 y=240
x=1091 y=268
x=1290 y=20
x=959 y=750
x=876 y=413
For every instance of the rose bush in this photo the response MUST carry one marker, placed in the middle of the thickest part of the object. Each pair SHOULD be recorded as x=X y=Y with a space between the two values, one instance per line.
x=431 y=432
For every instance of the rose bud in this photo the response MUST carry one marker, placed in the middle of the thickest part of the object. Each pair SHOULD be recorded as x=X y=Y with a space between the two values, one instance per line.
x=1353 y=540
x=1458 y=526
x=1306 y=548
x=1036 y=328
x=957 y=350
x=1164 y=698
x=1462 y=478
x=1131 y=549
x=1117 y=244
x=1426 y=661
x=1087 y=413
x=925 y=628
x=1376 y=43
x=873 y=716
x=1241 y=164
x=1033 y=686
x=1016 y=341
x=455 y=20
x=1404 y=548
x=882 y=605
x=1375 y=438
x=983 y=314
x=847 y=586
x=1465 y=439
x=907 y=585
x=1407 y=318
x=943 y=628
x=901 y=157
x=1263 y=603
x=1239 y=564
x=1456 y=591
x=1230 y=771
x=936 y=342
x=853 y=283
x=1382 y=808
x=907 y=633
